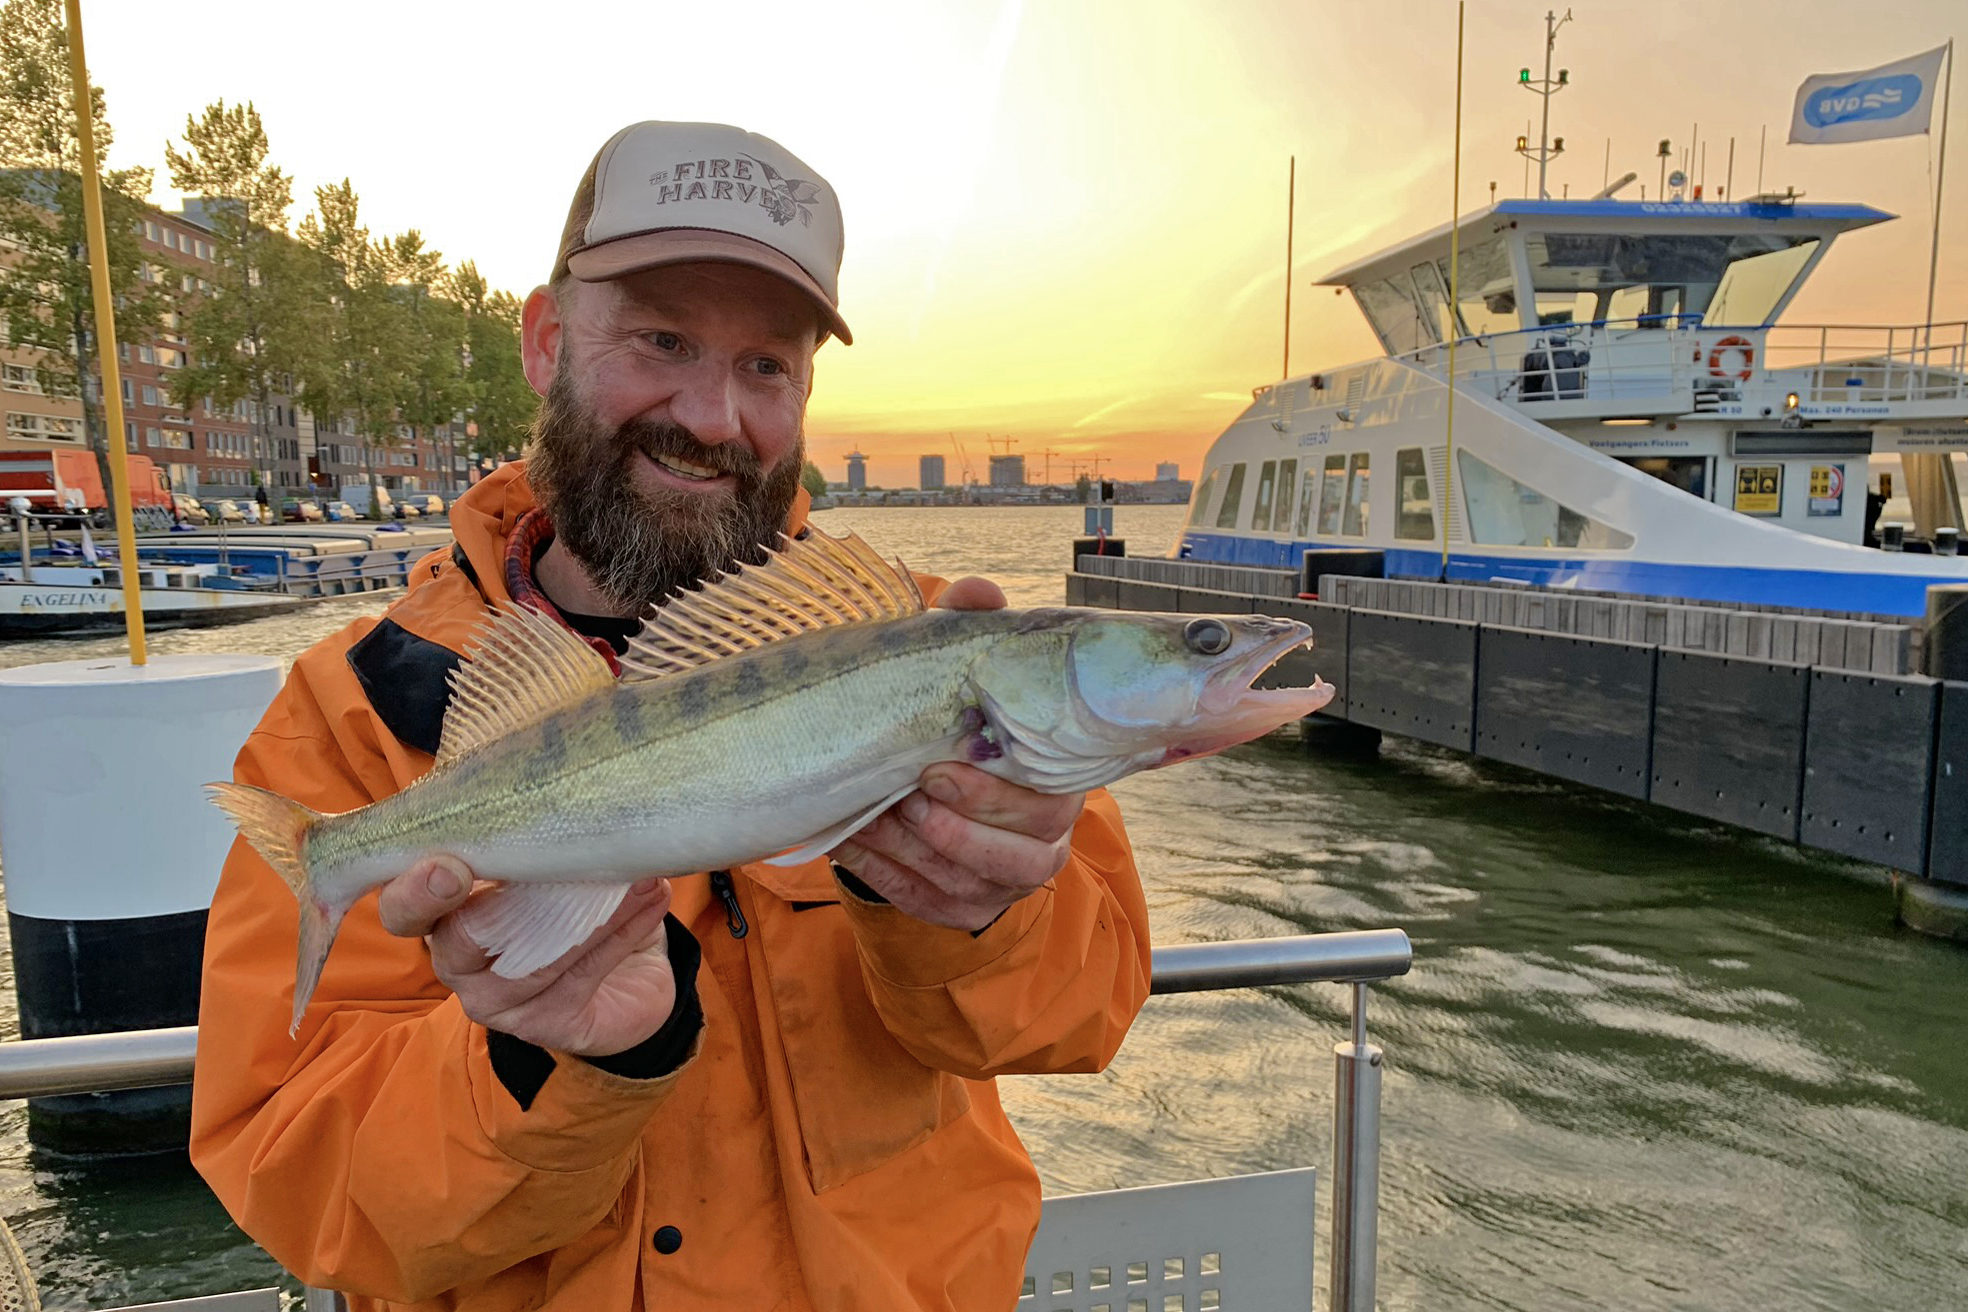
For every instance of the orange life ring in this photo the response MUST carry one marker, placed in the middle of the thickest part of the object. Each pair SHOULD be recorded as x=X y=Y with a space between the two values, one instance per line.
x=1743 y=344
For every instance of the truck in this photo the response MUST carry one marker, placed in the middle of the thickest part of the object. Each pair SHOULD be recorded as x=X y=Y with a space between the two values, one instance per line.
x=68 y=484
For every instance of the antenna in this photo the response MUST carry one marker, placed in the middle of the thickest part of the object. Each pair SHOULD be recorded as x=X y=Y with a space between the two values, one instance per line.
x=1291 y=202
x=1548 y=147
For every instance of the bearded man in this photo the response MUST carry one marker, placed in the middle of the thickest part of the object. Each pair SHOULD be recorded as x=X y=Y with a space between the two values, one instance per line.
x=758 y=1088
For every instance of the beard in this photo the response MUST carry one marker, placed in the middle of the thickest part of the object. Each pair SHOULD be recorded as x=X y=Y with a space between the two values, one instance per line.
x=639 y=544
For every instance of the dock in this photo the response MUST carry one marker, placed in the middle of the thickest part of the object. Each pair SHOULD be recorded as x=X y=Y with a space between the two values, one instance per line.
x=1813 y=727
x=307 y=560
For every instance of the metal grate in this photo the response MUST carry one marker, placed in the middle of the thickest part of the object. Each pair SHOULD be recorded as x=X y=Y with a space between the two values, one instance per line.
x=1202 y=1246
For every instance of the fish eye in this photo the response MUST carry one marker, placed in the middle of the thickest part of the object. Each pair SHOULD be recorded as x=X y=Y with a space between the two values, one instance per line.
x=1207 y=637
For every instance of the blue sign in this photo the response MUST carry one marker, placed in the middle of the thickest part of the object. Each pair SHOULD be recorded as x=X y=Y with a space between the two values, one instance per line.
x=1868 y=99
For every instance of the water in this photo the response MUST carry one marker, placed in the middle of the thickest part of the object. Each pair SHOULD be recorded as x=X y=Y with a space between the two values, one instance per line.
x=1642 y=1063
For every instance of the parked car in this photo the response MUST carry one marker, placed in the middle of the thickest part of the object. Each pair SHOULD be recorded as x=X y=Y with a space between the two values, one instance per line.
x=431 y=503
x=296 y=510
x=341 y=512
x=189 y=511
x=408 y=510
x=251 y=510
x=227 y=512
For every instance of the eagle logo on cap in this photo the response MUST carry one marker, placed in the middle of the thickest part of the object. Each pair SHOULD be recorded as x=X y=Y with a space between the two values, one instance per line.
x=787 y=197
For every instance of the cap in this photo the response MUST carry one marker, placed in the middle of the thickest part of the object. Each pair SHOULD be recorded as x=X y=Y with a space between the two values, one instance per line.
x=672 y=193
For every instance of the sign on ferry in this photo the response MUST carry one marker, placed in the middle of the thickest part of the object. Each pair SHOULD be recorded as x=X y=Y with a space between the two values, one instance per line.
x=1939 y=436
x=1827 y=491
x=1759 y=489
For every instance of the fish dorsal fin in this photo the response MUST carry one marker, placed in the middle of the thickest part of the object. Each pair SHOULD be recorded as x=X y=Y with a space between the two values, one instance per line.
x=518 y=668
x=809 y=583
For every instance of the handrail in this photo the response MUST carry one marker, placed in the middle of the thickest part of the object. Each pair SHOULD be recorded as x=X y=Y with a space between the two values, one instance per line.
x=143 y=1059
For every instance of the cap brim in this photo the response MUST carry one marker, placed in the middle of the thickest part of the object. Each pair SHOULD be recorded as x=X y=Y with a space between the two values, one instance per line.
x=652 y=250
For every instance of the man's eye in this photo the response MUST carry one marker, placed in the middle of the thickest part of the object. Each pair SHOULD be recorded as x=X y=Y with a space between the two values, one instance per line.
x=771 y=367
x=666 y=341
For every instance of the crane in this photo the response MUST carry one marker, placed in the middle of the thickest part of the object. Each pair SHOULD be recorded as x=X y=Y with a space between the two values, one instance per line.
x=1008 y=441
x=963 y=462
x=1047 y=455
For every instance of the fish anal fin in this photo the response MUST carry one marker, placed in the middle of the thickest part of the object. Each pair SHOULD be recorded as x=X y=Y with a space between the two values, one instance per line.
x=808 y=583
x=821 y=844
x=526 y=926
x=519 y=667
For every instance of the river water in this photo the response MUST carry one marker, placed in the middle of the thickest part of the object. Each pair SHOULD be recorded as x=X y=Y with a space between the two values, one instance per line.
x=1643 y=1062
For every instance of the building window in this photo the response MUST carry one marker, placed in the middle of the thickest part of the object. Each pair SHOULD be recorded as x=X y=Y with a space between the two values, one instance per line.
x=151 y=437
x=45 y=428
x=150 y=230
x=20 y=378
x=149 y=395
x=147 y=355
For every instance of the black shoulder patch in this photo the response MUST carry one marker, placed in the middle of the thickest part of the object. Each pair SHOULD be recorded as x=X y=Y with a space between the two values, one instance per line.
x=405 y=678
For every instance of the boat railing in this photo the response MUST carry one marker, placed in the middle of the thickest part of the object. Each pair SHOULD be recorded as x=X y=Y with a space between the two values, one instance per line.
x=1679 y=364
x=97 y=1063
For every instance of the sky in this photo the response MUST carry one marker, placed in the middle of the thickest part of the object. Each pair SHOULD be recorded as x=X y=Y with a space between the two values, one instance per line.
x=1066 y=219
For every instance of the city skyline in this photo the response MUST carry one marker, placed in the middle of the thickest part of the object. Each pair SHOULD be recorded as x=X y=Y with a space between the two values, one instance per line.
x=1075 y=236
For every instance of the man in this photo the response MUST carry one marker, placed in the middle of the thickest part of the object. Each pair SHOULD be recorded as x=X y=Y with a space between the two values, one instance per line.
x=763 y=1088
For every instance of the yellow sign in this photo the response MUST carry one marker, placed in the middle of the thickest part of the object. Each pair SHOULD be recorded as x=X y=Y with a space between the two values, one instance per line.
x=1827 y=491
x=1759 y=489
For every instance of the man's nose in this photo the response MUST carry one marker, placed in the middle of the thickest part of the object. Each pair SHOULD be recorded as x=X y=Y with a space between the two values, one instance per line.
x=707 y=405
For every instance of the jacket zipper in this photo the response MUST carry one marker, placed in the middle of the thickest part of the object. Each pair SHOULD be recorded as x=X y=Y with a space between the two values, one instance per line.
x=734 y=915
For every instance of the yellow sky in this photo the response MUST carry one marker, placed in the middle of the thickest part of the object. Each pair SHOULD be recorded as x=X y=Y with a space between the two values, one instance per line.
x=1065 y=218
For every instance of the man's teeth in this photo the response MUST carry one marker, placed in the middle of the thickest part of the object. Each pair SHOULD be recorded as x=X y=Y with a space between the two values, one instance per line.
x=685 y=468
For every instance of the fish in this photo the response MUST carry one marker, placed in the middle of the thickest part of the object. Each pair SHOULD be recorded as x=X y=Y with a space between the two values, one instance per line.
x=763 y=717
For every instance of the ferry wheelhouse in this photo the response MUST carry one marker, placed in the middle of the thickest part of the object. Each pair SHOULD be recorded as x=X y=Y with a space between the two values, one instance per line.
x=1629 y=417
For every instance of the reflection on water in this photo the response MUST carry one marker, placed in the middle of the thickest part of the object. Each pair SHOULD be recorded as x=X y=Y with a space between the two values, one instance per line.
x=1643 y=1063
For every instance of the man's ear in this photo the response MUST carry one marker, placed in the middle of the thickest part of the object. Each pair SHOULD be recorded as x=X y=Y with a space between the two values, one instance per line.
x=539 y=338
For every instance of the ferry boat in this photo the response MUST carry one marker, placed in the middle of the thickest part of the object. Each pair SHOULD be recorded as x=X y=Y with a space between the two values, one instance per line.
x=1629 y=416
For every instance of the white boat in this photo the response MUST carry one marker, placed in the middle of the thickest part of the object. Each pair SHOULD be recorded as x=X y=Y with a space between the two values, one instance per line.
x=1629 y=416
x=56 y=599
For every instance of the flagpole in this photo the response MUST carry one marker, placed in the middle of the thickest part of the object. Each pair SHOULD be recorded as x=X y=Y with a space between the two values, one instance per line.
x=1940 y=191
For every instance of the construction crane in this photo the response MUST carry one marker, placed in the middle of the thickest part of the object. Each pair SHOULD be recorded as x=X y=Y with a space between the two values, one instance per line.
x=1046 y=456
x=1008 y=441
x=963 y=462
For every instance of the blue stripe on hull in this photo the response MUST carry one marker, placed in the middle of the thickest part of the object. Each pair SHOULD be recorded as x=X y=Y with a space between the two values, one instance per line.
x=1878 y=594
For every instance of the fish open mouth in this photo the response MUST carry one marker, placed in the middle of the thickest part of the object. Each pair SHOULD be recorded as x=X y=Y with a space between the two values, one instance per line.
x=1231 y=711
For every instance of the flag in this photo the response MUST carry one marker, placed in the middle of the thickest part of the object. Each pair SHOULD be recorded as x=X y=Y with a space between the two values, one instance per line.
x=1893 y=100
x=88 y=546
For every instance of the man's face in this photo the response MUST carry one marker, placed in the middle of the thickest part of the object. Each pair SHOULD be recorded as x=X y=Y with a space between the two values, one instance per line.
x=669 y=437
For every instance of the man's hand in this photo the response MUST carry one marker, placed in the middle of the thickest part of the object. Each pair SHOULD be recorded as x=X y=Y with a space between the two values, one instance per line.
x=969 y=844
x=601 y=997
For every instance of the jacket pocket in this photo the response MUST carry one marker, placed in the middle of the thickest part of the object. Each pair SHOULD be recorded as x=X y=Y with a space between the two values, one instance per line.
x=861 y=1098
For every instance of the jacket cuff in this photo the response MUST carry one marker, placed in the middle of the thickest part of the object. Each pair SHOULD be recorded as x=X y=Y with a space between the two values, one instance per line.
x=913 y=954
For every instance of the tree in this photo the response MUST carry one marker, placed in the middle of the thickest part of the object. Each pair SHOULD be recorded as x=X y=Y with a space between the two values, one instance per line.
x=433 y=382
x=813 y=480
x=357 y=366
x=242 y=332
x=1083 y=489
x=45 y=295
x=500 y=404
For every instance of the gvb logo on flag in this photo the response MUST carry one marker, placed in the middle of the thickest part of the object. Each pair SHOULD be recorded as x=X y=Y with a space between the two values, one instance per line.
x=1893 y=100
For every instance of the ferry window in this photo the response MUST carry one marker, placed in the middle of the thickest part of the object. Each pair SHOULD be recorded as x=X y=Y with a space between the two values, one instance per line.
x=1505 y=513
x=1307 y=497
x=1355 y=524
x=1233 y=498
x=1595 y=276
x=1281 y=515
x=1267 y=483
x=1331 y=495
x=1486 y=293
x=1199 y=512
x=1414 y=513
x=1432 y=294
x=1390 y=307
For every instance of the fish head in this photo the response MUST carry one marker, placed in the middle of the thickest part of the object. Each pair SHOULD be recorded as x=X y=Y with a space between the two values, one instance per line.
x=1078 y=695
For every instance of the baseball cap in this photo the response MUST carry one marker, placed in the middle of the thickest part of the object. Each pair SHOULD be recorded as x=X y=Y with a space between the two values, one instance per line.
x=674 y=193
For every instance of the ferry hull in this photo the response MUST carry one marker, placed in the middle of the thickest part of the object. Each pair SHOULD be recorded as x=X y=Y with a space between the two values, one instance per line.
x=31 y=610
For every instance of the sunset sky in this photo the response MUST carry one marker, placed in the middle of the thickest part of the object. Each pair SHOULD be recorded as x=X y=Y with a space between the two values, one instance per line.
x=1065 y=218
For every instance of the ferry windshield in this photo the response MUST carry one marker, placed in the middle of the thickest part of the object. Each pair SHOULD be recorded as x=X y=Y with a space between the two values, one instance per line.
x=1736 y=280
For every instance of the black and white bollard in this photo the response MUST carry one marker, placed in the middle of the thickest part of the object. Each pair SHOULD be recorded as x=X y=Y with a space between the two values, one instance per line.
x=110 y=854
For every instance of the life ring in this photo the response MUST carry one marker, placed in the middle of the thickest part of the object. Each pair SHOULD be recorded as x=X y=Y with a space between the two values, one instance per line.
x=1743 y=344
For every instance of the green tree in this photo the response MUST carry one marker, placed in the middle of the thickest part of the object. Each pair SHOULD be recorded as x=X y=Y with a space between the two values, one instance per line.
x=242 y=332
x=500 y=403
x=45 y=300
x=1083 y=489
x=813 y=480
x=357 y=365
x=433 y=381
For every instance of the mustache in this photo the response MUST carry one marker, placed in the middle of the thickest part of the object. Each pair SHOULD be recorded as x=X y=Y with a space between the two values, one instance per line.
x=657 y=438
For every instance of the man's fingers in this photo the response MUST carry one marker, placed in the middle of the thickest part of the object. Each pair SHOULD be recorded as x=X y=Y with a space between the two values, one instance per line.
x=1001 y=804
x=416 y=900
x=462 y=963
x=1003 y=858
x=972 y=593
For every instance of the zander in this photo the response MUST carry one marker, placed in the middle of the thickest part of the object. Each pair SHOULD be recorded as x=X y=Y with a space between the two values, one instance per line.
x=764 y=718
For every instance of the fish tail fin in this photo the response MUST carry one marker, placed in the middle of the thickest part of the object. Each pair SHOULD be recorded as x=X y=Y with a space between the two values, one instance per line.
x=278 y=828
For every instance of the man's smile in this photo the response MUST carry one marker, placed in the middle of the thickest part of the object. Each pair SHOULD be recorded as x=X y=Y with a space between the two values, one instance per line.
x=674 y=471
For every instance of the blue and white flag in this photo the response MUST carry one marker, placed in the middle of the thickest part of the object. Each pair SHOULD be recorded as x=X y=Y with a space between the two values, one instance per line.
x=88 y=546
x=1893 y=100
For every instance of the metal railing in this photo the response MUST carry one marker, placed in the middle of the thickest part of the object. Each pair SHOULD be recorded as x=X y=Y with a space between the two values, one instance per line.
x=95 y=1063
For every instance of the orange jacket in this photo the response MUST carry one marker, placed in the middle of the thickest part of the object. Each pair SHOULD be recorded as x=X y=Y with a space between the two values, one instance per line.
x=835 y=1143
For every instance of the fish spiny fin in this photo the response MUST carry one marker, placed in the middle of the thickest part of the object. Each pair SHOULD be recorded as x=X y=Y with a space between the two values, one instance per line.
x=518 y=668
x=809 y=583
x=526 y=926
x=278 y=829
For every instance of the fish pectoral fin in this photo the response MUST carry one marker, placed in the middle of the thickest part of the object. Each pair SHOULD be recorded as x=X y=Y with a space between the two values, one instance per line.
x=526 y=926
x=822 y=844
